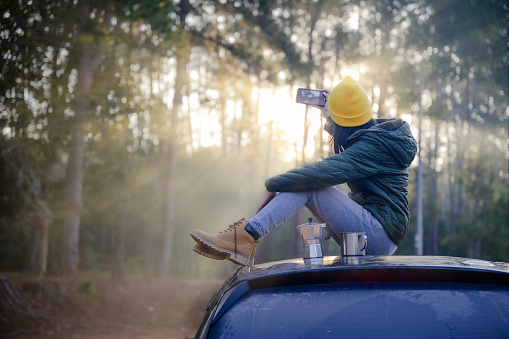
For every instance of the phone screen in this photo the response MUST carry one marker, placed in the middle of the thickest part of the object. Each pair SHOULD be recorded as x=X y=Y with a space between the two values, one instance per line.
x=310 y=97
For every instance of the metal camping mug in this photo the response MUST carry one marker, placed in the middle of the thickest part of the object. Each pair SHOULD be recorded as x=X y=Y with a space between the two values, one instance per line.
x=353 y=244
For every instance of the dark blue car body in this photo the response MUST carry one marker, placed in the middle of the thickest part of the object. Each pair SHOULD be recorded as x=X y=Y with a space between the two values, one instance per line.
x=363 y=297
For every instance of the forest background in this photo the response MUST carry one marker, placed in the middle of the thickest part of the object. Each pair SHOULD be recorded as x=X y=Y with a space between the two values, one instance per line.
x=126 y=124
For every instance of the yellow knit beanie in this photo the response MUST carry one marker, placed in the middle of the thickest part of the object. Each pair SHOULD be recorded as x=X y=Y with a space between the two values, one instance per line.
x=349 y=104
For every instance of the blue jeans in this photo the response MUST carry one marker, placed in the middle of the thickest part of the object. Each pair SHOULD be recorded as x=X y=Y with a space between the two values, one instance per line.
x=327 y=205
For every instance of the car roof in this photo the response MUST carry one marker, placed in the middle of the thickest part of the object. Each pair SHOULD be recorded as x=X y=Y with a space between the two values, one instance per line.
x=377 y=268
x=374 y=262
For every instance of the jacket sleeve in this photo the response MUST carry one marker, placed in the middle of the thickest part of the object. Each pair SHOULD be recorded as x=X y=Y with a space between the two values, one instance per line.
x=356 y=162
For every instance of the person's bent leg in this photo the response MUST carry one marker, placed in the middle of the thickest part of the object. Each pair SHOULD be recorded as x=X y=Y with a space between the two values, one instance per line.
x=335 y=208
x=236 y=243
x=345 y=215
x=278 y=210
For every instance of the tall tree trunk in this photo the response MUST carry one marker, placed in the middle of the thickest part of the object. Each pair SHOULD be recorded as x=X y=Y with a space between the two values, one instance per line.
x=452 y=191
x=46 y=218
x=434 y=177
x=489 y=101
x=386 y=9
x=170 y=158
x=451 y=174
x=171 y=154
x=118 y=244
x=418 y=239
x=33 y=243
x=89 y=60
x=38 y=242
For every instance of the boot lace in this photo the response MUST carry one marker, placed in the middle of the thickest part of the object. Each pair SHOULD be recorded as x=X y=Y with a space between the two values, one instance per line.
x=234 y=226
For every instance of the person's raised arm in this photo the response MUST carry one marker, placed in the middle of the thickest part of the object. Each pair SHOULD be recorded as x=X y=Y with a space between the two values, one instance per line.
x=325 y=108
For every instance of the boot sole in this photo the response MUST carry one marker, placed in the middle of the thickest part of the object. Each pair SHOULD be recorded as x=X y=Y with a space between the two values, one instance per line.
x=236 y=258
x=211 y=255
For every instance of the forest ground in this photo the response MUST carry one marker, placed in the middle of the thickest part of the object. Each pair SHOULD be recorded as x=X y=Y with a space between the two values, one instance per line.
x=99 y=307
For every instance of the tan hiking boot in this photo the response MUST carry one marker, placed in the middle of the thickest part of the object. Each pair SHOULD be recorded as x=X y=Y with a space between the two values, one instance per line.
x=212 y=254
x=235 y=243
x=201 y=249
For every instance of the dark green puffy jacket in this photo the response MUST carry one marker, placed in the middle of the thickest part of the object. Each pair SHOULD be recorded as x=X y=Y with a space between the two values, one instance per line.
x=375 y=167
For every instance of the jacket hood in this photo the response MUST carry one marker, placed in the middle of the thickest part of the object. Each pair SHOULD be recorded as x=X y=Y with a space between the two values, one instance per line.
x=395 y=135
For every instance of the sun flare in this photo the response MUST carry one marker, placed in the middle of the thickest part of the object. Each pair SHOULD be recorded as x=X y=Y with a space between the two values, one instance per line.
x=278 y=107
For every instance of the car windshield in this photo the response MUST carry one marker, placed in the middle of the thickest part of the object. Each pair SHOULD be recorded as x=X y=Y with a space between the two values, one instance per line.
x=368 y=310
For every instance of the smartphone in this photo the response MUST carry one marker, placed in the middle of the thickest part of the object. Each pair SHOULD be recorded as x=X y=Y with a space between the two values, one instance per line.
x=310 y=97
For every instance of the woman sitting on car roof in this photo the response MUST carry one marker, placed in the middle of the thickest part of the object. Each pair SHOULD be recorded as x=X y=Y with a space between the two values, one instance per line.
x=372 y=157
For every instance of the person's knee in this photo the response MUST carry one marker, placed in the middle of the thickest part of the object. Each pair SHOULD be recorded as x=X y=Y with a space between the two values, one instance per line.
x=325 y=195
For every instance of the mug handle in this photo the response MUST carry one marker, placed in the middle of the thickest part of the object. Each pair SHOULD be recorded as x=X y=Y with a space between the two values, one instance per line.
x=365 y=241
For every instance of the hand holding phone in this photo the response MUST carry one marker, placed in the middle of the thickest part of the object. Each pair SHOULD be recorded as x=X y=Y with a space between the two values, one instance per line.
x=310 y=97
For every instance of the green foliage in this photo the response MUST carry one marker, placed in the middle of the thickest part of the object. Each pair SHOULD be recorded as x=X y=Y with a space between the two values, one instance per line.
x=27 y=26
